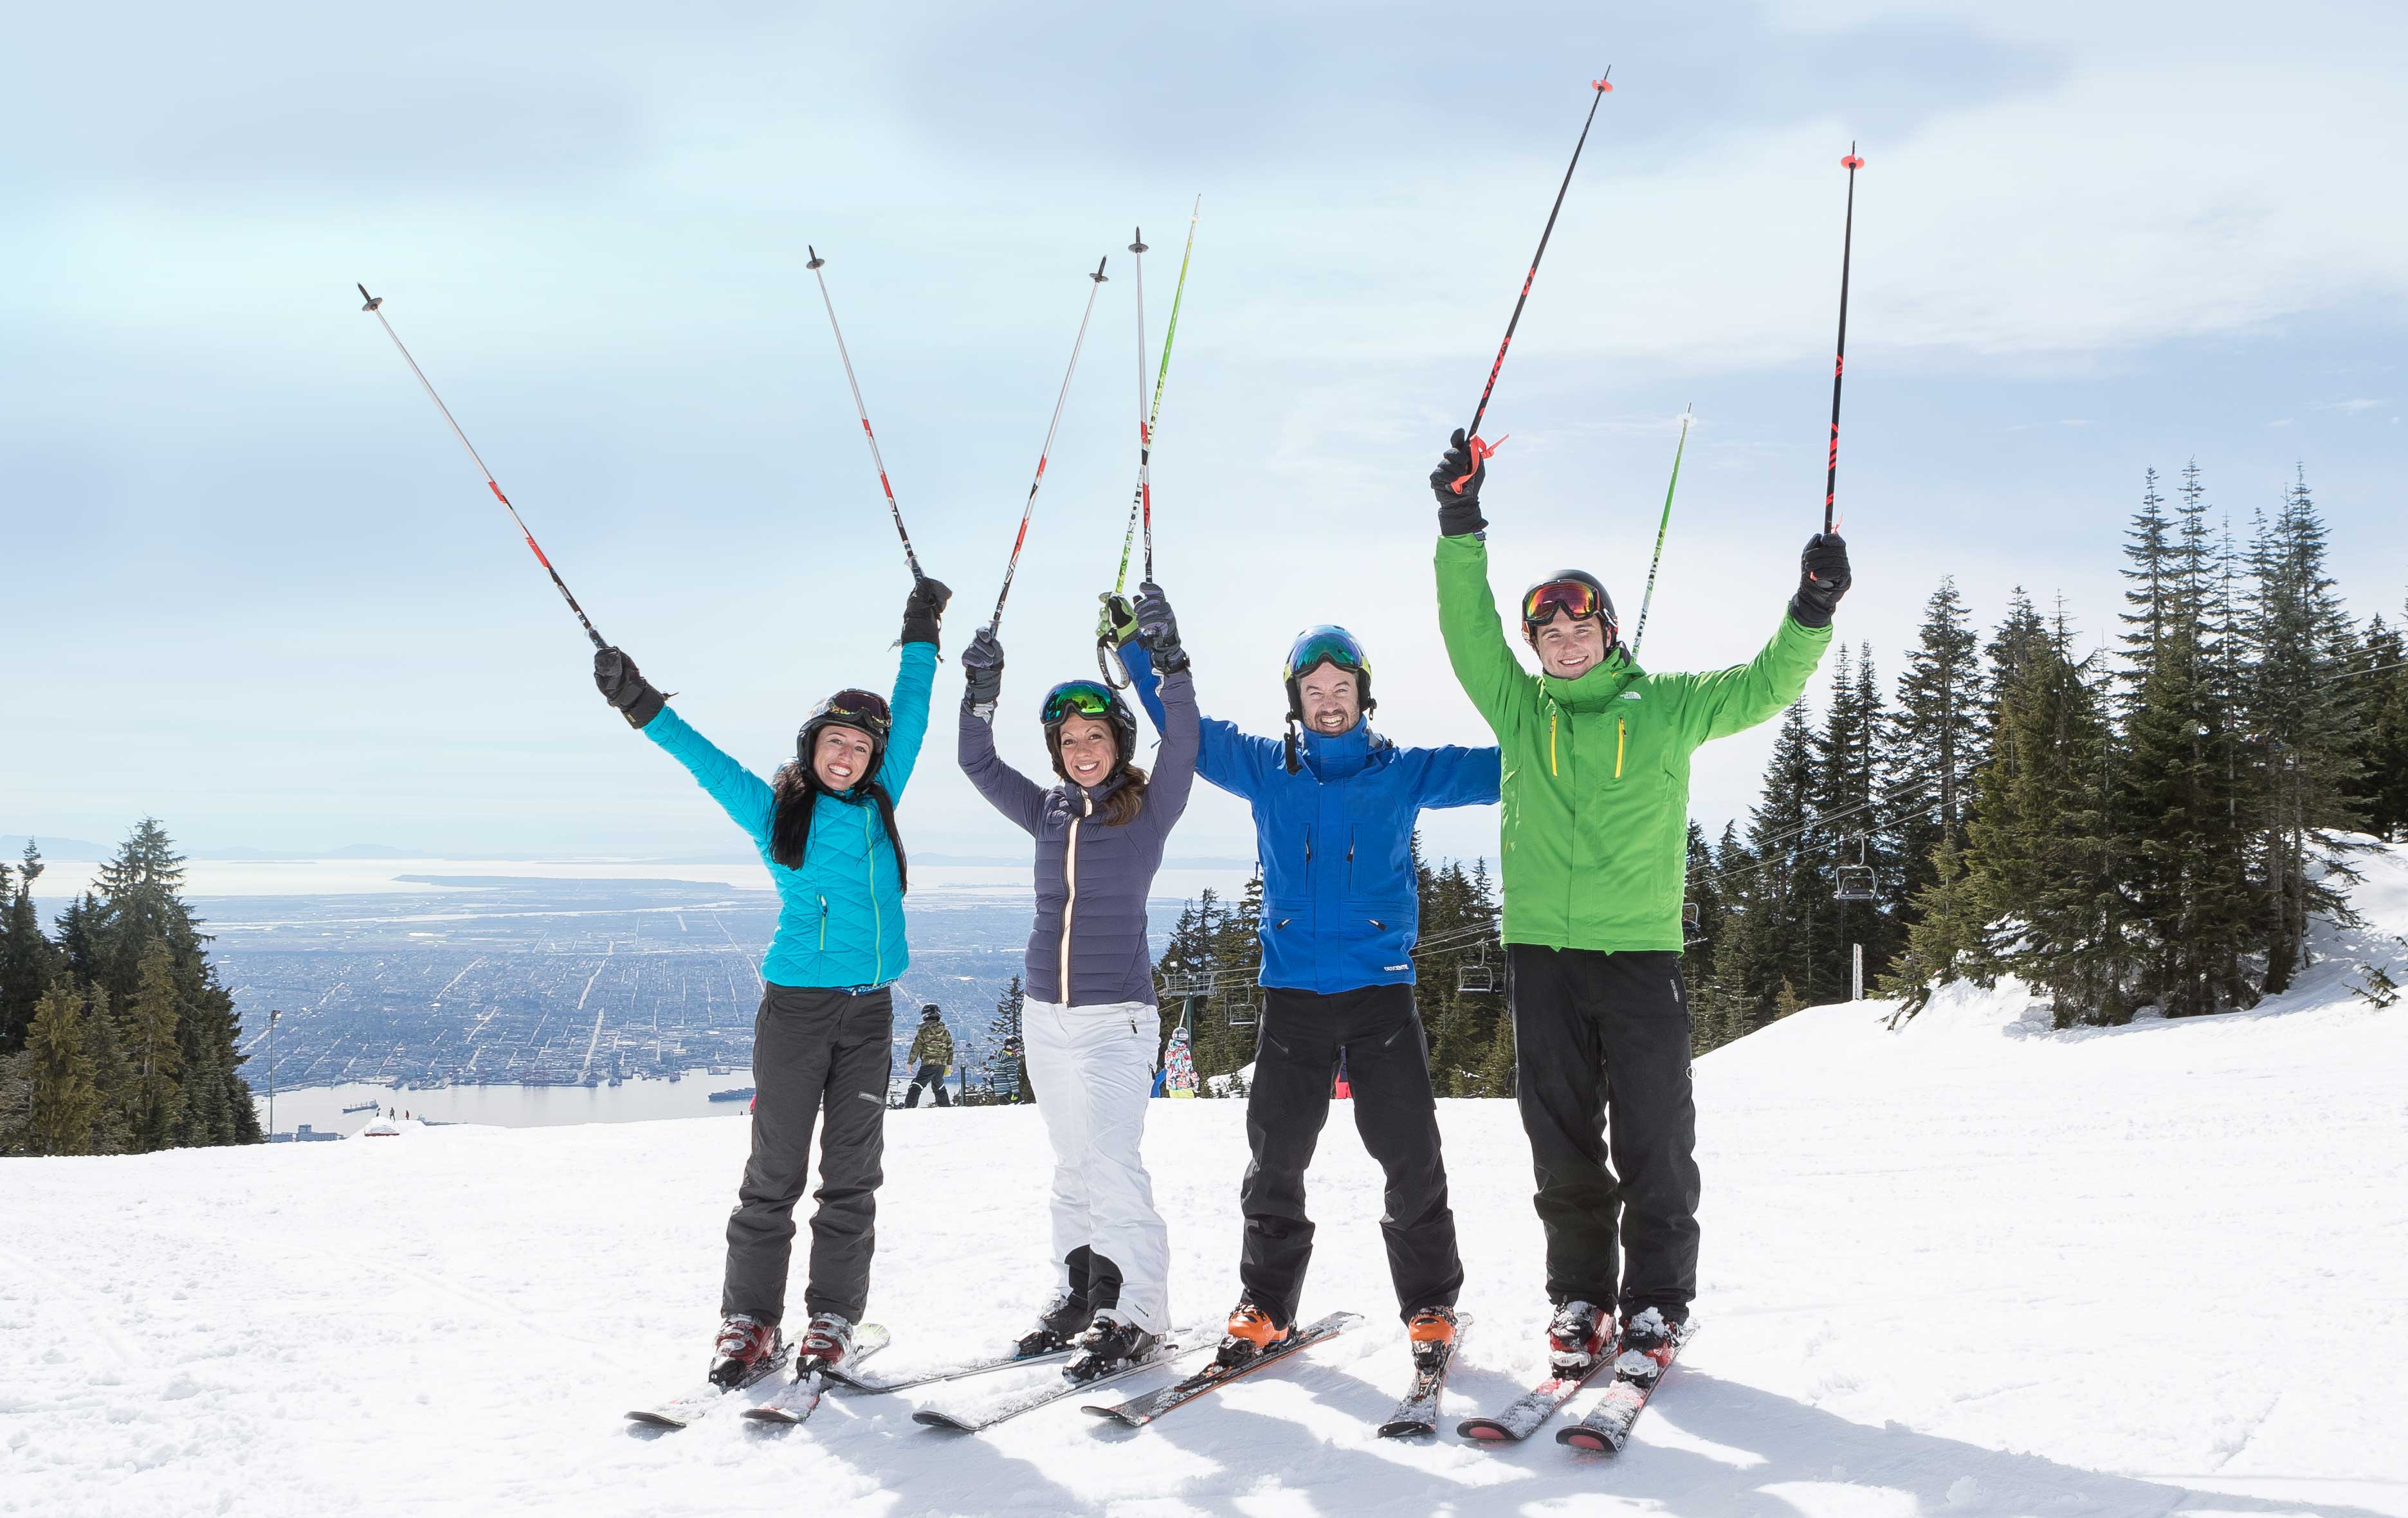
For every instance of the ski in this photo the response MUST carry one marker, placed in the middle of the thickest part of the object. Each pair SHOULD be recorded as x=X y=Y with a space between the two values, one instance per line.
x=1529 y=1411
x=678 y=1412
x=866 y=1388
x=1417 y=1414
x=800 y=1397
x=1047 y=1392
x=1607 y=1427
x=1139 y=1411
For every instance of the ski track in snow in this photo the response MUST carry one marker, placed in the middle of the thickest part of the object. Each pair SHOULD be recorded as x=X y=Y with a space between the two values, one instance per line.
x=1973 y=1267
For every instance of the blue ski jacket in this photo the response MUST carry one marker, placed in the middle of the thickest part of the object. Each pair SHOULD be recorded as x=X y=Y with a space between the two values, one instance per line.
x=841 y=916
x=1341 y=910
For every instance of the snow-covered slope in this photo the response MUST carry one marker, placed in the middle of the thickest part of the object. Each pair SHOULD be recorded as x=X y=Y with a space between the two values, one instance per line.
x=1971 y=1266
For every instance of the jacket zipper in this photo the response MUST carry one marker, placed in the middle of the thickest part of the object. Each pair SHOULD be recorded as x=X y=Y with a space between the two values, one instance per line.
x=1070 y=890
x=824 y=920
x=1551 y=740
x=1620 y=733
x=877 y=919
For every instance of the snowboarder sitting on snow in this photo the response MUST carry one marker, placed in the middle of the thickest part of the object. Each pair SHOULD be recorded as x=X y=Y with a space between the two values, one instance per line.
x=932 y=1054
x=825 y=825
x=1090 y=1021
x=1595 y=852
x=1335 y=811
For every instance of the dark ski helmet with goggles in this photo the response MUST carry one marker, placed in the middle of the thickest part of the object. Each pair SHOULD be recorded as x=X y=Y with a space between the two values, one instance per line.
x=1325 y=644
x=1572 y=593
x=864 y=712
x=1088 y=698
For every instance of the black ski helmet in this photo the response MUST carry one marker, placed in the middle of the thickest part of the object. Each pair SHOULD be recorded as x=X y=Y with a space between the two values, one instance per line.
x=928 y=1010
x=1601 y=606
x=864 y=712
x=1325 y=643
x=1087 y=698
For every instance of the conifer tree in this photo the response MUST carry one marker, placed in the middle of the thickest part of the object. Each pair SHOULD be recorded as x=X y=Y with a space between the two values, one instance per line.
x=65 y=1106
x=1785 y=886
x=158 y=1059
x=2381 y=791
x=25 y=955
x=2300 y=725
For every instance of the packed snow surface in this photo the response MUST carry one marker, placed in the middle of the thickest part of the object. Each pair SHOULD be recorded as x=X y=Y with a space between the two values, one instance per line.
x=1968 y=1267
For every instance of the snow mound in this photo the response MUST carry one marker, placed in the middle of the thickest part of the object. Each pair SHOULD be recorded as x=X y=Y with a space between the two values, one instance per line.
x=1953 y=1268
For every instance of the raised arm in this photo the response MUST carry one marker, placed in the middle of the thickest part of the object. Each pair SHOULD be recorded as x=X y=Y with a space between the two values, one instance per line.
x=1174 y=762
x=1008 y=790
x=1483 y=661
x=1450 y=776
x=915 y=681
x=1731 y=700
x=1223 y=754
x=742 y=795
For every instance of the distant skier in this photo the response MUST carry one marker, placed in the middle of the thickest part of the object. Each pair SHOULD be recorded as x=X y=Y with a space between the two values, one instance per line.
x=1090 y=1020
x=1011 y=1074
x=822 y=1040
x=1178 y=1065
x=1335 y=808
x=931 y=1052
x=1595 y=852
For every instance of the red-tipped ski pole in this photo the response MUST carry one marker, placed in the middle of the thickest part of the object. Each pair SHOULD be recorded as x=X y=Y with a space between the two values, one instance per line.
x=376 y=307
x=908 y=557
x=1012 y=567
x=1840 y=357
x=1481 y=449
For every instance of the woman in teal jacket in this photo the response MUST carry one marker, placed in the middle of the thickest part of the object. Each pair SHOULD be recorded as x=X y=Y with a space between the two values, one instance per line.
x=825 y=824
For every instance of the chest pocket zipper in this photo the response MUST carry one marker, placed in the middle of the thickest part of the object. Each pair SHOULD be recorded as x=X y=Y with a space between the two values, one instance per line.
x=822 y=921
x=1621 y=736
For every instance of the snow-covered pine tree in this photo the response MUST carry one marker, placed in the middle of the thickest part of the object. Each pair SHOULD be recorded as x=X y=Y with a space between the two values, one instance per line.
x=2381 y=790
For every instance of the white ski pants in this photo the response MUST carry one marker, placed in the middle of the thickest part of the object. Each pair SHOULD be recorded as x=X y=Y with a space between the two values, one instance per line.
x=1093 y=1067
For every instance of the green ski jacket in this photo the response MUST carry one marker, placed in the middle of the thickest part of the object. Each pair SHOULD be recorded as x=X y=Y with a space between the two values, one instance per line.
x=1594 y=833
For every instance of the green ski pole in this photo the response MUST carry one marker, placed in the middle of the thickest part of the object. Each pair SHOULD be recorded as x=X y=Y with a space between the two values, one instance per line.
x=1678 y=449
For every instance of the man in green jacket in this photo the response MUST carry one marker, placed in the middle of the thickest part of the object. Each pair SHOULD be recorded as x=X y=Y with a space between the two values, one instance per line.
x=931 y=1056
x=1594 y=850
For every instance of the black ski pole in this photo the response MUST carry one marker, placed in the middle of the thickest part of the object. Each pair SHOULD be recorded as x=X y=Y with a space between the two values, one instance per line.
x=908 y=557
x=376 y=307
x=1840 y=358
x=1012 y=567
x=1483 y=449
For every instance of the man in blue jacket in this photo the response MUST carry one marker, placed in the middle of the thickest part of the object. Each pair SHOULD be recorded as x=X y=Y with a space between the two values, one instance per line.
x=1335 y=810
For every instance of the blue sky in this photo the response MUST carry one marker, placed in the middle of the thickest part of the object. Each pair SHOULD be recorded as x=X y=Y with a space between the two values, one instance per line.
x=255 y=587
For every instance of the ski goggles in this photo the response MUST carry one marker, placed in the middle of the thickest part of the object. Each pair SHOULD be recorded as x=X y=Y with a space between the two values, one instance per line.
x=865 y=709
x=1570 y=596
x=1077 y=698
x=1325 y=644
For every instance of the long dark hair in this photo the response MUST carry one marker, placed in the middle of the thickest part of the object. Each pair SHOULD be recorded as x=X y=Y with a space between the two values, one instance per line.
x=796 y=788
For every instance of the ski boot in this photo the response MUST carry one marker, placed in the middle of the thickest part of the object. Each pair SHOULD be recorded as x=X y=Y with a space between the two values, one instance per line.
x=1431 y=1334
x=1649 y=1341
x=829 y=1341
x=1576 y=1337
x=745 y=1345
x=1056 y=1325
x=1250 y=1332
x=1108 y=1345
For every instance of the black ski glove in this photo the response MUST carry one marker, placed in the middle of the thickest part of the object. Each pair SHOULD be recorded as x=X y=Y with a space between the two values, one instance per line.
x=624 y=686
x=1822 y=578
x=925 y=610
x=1158 y=630
x=1458 y=514
x=983 y=666
x=1117 y=623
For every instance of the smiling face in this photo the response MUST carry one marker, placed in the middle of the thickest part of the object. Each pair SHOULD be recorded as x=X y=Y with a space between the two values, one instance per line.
x=1570 y=647
x=1088 y=751
x=840 y=758
x=1328 y=698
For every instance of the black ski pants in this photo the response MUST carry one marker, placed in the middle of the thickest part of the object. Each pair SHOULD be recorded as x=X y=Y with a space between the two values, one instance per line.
x=819 y=1057
x=932 y=1077
x=1387 y=1064
x=1601 y=1052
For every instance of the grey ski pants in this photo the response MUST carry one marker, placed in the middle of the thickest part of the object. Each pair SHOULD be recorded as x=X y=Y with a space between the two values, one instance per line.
x=819 y=1056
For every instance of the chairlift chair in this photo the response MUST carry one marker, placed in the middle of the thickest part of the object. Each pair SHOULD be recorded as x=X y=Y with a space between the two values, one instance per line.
x=1692 y=932
x=1856 y=881
x=1186 y=985
x=1241 y=1013
x=1476 y=976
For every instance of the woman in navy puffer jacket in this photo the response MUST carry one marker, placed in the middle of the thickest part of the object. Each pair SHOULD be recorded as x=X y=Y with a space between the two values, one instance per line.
x=1090 y=1021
